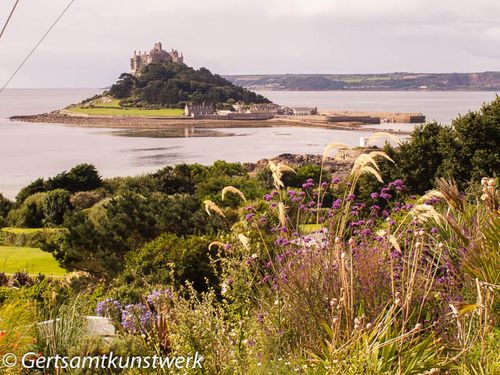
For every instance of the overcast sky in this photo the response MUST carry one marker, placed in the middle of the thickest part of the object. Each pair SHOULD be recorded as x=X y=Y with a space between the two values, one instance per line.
x=93 y=43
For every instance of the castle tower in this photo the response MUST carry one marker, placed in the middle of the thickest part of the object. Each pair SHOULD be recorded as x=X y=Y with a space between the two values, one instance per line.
x=156 y=55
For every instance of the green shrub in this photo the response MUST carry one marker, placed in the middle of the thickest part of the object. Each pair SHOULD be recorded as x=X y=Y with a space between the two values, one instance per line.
x=55 y=205
x=30 y=213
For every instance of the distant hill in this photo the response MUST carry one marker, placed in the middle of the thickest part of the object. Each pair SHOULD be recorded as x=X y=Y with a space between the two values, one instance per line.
x=487 y=81
x=172 y=85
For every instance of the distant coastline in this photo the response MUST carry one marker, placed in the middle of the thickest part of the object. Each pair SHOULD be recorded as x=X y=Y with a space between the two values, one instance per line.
x=484 y=81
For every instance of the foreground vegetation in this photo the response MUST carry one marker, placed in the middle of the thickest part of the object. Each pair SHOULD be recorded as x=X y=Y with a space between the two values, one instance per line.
x=290 y=270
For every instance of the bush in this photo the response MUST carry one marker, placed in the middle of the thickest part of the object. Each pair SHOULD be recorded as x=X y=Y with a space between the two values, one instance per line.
x=46 y=238
x=30 y=213
x=82 y=177
x=170 y=260
x=85 y=199
x=5 y=206
x=55 y=205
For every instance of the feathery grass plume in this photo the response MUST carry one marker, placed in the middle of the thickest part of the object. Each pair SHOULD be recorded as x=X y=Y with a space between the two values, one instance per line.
x=424 y=212
x=277 y=171
x=245 y=241
x=376 y=136
x=373 y=171
x=366 y=163
x=333 y=146
x=216 y=243
x=211 y=206
x=431 y=194
x=450 y=192
x=382 y=154
x=232 y=189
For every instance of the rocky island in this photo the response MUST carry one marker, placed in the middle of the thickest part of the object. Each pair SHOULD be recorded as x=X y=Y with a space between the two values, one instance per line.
x=162 y=91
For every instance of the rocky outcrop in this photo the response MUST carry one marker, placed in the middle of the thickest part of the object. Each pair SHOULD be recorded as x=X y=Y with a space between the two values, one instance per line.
x=341 y=164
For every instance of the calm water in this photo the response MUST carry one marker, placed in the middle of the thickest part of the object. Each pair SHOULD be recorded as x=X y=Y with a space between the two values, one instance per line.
x=28 y=151
x=438 y=106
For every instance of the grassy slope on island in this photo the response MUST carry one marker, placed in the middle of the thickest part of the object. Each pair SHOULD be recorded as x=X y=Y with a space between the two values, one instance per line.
x=28 y=259
x=124 y=111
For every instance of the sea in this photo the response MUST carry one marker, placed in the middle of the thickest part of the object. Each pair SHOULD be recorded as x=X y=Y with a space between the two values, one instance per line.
x=29 y=151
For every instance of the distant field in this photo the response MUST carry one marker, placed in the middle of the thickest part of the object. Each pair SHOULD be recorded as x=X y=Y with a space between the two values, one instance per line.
x=28 y=259
x=112 y=109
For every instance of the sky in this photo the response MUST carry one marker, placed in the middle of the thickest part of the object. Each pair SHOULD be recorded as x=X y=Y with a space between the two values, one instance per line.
x=93 y=42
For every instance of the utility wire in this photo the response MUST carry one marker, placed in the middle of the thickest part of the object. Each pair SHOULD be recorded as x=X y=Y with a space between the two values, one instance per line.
x=36 y=45
x=8 y=18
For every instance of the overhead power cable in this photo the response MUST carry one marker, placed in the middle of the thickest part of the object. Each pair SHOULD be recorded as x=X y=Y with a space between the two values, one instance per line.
x=8 y=18
x=36 y=45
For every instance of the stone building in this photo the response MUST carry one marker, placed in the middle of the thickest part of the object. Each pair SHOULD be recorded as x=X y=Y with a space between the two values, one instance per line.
x=305 y=111
x=155 y=55
x=199 y=110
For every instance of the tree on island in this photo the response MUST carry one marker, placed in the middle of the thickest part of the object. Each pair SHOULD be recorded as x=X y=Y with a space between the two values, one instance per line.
x=172 y=85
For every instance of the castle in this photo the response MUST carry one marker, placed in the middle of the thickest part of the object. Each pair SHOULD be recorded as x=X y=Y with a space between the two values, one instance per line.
x=156 y=55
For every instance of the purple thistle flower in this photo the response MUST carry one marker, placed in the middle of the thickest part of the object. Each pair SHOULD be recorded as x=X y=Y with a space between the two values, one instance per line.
x=374 y=195
x=335 y=180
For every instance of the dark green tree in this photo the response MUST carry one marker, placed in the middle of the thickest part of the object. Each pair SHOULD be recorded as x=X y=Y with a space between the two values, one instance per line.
x=123 y=87
x=55 y=205
x=36 y=186
x=419 y=157
x=170 y=260
x=82 y=177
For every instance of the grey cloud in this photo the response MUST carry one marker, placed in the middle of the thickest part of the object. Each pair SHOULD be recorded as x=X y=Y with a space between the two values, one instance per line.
x=91 y=45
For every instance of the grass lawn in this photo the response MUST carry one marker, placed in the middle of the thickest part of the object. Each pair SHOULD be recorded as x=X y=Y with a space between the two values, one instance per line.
x=28 y=259
x=111 y=110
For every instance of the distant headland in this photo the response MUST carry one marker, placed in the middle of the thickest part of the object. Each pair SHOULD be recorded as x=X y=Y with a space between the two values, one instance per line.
x=485 y=81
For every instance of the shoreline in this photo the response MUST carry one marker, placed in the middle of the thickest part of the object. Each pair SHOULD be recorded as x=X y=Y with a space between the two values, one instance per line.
x=122 y=122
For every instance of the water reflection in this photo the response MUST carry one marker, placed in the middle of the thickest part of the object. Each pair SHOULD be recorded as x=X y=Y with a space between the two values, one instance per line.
x=186 y=132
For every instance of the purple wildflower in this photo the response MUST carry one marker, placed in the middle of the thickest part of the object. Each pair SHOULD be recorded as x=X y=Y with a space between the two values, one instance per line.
x=249 y=216
x=137 y=318
x=109 y=308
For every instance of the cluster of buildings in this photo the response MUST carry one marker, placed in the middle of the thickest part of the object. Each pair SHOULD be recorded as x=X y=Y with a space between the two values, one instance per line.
x=242 y=111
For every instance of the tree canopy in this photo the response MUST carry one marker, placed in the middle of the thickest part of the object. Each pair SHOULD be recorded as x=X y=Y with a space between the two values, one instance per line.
x=172 y=85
